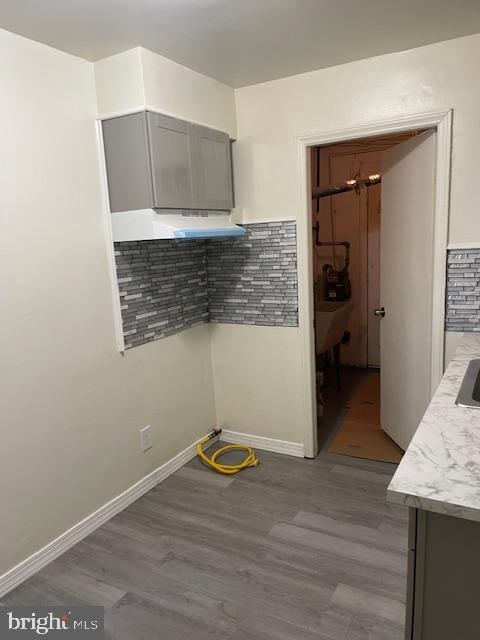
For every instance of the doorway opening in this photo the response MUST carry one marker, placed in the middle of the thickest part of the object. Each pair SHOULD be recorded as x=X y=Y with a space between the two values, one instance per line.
x=346 y=216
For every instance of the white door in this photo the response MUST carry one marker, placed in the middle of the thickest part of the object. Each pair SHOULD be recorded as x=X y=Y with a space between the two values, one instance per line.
x=406 y=276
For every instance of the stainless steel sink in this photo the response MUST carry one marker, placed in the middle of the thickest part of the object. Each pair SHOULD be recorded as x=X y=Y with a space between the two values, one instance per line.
x=469 y=394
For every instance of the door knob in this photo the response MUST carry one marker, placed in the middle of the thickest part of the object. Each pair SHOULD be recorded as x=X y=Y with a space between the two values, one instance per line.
x=380 y=313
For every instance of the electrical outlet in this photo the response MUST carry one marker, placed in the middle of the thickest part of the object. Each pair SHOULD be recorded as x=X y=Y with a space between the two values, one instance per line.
x=146 y=438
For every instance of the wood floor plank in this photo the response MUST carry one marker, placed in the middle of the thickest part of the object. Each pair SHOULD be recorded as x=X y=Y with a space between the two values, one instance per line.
x=367 y=502
x=235 y=503
x=360 y=533
x=248 y=544
x=333 y=569
x=362 y=474
x=361 y=601
x=204 y=477
x=291 y=549
x=370 y=627
x=365 y=554
x=55 y=586
x=390 y=527
x=259 y=626
x=388 y=468
x=189 y=615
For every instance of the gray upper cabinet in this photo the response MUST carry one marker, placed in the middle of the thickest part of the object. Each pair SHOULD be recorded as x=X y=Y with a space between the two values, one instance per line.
x=158 y=161
x=171 y=157
x=213 y=169
x=127 y=158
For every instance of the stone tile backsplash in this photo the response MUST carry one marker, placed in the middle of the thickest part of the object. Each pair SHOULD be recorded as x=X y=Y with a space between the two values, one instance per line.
x=167 y=286
x=463 y=290
x=163 y=287
x=254 y=280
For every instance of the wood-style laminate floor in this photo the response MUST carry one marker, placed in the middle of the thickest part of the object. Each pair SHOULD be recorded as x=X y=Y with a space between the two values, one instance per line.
x=291 y=550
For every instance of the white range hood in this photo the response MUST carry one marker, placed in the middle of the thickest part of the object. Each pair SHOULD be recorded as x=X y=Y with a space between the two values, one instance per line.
x=149 y=224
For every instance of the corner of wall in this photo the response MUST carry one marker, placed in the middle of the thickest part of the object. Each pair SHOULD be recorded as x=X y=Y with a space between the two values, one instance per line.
x=119 y=83
x=210 y=330
x=179 y=91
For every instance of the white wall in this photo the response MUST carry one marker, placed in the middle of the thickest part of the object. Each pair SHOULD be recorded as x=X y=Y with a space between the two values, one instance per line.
x=172 y=88
x=71 y=404
x=119 y=83
x=139 y=79
x=271 y=115
x=258 y=380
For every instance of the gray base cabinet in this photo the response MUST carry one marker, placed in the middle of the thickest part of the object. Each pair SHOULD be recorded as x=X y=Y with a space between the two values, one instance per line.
x=156 y=161
x=443 y=584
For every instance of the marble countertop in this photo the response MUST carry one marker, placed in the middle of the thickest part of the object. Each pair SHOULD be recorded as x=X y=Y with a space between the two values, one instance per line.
x=440 y=470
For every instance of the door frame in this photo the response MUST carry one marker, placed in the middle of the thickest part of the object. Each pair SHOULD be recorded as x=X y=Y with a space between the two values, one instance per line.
x=441 y=121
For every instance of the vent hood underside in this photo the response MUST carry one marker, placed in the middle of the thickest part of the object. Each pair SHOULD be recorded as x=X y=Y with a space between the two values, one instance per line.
x=148 y=224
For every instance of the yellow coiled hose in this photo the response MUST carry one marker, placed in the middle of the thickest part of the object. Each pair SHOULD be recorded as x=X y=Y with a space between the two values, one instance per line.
x=250 y=460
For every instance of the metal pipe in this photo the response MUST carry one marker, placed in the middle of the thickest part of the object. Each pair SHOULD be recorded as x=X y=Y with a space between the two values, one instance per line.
x=326 y=243
x=349 y=185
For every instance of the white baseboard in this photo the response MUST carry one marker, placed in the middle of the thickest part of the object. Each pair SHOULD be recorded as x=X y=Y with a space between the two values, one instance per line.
x=69 y=538
x=295 y=449
x=55 y=548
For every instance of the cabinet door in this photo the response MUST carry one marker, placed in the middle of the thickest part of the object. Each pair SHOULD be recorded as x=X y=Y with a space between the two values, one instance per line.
x=447 y=568
x=212 y=168
x=127 y=162
x=171 y=159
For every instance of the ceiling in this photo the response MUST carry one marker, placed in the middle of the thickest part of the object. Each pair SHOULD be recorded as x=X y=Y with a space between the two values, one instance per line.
x=241 y=42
